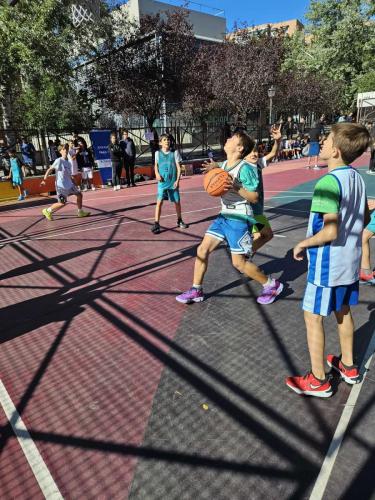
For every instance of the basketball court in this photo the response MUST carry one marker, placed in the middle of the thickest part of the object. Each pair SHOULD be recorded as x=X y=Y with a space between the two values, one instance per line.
x=111 y=389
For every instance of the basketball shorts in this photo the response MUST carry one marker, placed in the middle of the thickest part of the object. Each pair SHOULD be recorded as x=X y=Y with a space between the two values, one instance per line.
x=261 y=223
x=168 y=194
x=62 y=194
x=323 y=300
x=236 y=233
x=371 y=226
x=87 y=173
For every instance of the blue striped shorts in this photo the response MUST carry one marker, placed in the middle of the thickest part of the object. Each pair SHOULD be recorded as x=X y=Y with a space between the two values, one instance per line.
x=323 y=300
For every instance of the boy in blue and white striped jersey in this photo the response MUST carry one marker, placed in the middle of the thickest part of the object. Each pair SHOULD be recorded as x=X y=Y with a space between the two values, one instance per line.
x=339 y=212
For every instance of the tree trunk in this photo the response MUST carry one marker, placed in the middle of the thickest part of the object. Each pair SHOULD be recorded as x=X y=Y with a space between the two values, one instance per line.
x=6 y=113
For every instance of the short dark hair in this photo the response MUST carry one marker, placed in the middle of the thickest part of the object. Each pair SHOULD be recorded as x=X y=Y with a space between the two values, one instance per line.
x=246 y=142
x=352 y=139
x=163 y=136
x=125 y=131
x=12 y=151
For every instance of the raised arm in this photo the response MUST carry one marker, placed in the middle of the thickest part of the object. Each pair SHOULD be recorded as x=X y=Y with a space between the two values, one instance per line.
x=276 y=136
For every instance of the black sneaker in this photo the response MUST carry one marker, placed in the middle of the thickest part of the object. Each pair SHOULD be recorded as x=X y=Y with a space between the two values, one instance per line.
x=181 y=224
x=156 y=228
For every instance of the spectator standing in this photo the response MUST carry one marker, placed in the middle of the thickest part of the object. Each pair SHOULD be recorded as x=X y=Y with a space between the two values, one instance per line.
x=172 y=140
x=129 y=154
x=316 y=135
x=51 y=151
x=72 y=158
x=117 y=155
x=289 y=128
x=85 y=162
x=371 y=128
x=78 y=139
x=28 y=155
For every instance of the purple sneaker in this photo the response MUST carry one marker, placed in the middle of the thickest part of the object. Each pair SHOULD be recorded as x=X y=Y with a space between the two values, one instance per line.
x=269 y=293
x=192 y=295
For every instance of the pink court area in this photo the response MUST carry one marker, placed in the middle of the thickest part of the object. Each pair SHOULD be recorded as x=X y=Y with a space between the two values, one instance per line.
x=88 y=314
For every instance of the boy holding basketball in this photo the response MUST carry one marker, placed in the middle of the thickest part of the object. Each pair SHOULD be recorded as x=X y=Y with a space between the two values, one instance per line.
x=234 y=223
x=168 y=173
x=262 y=232
x=339 y=211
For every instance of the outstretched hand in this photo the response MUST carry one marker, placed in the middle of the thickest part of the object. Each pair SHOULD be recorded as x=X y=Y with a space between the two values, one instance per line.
x=298 y=252
x=209 y=165
x=276 y=132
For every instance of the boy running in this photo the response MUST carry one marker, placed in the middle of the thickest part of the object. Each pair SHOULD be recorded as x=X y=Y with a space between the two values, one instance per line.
x=234 y=224
x=262 y=232
x=338 y=214
x=366 y=275
x=65 y=185
x=168 y=173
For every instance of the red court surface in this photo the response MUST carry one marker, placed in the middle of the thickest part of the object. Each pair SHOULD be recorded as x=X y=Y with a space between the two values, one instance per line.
x=88 y=317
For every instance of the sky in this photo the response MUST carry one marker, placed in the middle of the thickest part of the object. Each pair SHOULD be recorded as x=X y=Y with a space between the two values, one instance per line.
x=257 y=11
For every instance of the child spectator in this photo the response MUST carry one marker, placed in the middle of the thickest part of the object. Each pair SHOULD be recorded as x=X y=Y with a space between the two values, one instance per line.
x=16 y=174
x=72 y=157
x=85 y=162
x=338 y=214
x=129 y=154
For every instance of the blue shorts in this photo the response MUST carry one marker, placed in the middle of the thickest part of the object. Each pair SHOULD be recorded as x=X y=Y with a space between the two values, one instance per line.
x=371 y=226
x=323 y=300
x=168 y=194
x=314 y=148
x=237 y=233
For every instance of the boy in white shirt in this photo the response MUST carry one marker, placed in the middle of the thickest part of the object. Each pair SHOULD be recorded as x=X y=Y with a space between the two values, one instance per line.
x=65 y=185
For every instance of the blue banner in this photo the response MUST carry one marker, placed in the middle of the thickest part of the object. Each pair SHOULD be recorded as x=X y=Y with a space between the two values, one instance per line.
x=100 y=140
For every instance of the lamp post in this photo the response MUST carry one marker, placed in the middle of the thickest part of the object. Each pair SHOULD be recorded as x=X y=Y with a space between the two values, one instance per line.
x=271 y=95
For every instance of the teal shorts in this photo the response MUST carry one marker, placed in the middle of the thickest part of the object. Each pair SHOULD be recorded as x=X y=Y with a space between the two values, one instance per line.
x=371 y=226
x=168 y=194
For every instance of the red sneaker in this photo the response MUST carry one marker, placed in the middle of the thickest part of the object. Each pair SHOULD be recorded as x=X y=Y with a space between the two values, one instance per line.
x=366 y=279
x=308 y=385
x=350 y=375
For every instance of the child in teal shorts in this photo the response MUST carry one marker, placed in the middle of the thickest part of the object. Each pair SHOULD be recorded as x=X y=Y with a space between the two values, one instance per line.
x=168 y=173
x=16 y=174
x=367 y=275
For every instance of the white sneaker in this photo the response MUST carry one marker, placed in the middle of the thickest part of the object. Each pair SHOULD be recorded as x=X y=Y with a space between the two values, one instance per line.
x=118 y=188
x=92 y=188
x=114 y=188
x=316 y=167
x=84 y=189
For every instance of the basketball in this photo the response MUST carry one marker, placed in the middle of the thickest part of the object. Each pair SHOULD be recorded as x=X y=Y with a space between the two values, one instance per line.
x=215 y=180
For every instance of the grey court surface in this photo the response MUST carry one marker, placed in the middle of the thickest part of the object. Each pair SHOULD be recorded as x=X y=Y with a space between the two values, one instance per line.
x=223 y=423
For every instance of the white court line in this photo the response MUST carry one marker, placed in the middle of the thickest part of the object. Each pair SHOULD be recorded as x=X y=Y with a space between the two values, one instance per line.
x=333 y=450
x=31 y=452
x=54 y=235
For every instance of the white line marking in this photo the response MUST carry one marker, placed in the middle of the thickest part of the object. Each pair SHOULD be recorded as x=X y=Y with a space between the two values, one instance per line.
x=54 y=235
x=279 y=235
x=333 y=450
x=31 y=452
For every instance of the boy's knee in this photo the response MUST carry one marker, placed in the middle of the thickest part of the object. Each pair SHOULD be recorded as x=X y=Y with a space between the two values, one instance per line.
x=203 y=251
x=238 y=262
x=313 y=318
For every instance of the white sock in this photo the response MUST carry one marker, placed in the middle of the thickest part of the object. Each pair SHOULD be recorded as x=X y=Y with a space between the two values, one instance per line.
x=198 y=287
x=270 y=282
x=49 y=210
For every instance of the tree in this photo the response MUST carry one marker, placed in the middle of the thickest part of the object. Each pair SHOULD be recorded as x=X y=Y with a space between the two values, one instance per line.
x=146 y=70
x=39 y=48
x=244 y=68
x=340 y=46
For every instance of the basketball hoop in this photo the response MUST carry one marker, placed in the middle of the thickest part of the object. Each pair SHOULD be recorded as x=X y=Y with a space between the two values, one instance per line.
x=86 y=11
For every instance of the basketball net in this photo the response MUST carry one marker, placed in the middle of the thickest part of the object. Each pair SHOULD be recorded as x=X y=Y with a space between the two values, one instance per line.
x=81 y=14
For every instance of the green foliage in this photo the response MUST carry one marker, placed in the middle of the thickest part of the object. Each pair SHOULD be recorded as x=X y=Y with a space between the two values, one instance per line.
x=340 y=46
x=366 y=82
x=39 y=47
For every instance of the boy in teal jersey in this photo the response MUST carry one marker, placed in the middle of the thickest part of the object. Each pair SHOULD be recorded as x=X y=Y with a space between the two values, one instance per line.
x=168 y=173
x=339 y=212
x=262 y=232
x=234 y=224
x=366 y=275
x=16 y=174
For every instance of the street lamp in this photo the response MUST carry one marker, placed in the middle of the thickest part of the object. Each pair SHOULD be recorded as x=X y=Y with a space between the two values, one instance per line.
x=271 y=95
